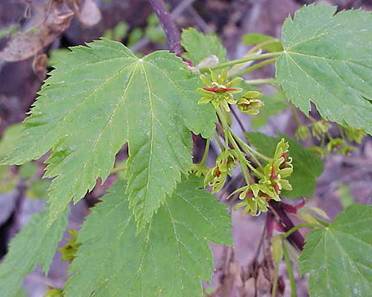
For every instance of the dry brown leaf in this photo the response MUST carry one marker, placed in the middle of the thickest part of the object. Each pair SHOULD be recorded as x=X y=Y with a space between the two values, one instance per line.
x=27 y=43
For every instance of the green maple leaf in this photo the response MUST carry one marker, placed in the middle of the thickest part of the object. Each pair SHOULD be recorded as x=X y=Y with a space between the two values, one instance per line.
x=35 y=245
x=99 y=97
x=327 y=59
x=338 y=257
x=199 y=46
x=307 y=166
x=169 y=260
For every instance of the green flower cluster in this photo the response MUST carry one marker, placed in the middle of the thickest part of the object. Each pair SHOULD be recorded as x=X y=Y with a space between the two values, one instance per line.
x=216 y=176
x=271 y=181
x=199 y=169
x=69 y=250
x=221 y=92
x=338 y=145
x=219 y=89
x=354 y=135
x=320 y=130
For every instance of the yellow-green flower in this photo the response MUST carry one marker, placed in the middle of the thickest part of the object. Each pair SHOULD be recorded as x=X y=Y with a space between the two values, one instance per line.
x=302 y=133
x=254 y=199
x=353 y=134
x=276 y=171
x=216 y=176
x=339 y=145
x=318 y=150
x=218 y=89
x=272 y=180
x=250 y=103
x=320 y=128
x=69 y=250
x=199 y=169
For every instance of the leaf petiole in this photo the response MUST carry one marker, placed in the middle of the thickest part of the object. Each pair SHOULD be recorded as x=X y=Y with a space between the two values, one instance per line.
x=261 y=81
x=230 y=138
x=243 y=60
x=255 y=67
x=289 y=266
x=206 y=151
x=262 y=44
x=251 y=151
x=298 y=227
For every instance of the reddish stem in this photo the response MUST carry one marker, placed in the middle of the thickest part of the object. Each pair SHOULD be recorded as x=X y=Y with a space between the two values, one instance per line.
x=296 y=238
x=171 y=31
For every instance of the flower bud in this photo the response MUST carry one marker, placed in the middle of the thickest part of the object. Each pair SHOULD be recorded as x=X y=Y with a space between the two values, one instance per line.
x=252 y=95
x=320 y=128
x=335 y=144
x=354 y=135
x=250 y=106
x=302 y=133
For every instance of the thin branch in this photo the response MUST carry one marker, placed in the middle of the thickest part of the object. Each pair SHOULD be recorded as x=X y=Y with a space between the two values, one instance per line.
x=248 y=58
x=199 y=21
x=296 y=238
x=177 y=11
x=291 y=276
x=171 y=31
x=238 y=120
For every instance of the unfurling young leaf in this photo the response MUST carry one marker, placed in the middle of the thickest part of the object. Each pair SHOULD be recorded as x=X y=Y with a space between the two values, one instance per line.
x=200 y=46
x=327 y=60
x=169 y=260
x=99 y=97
